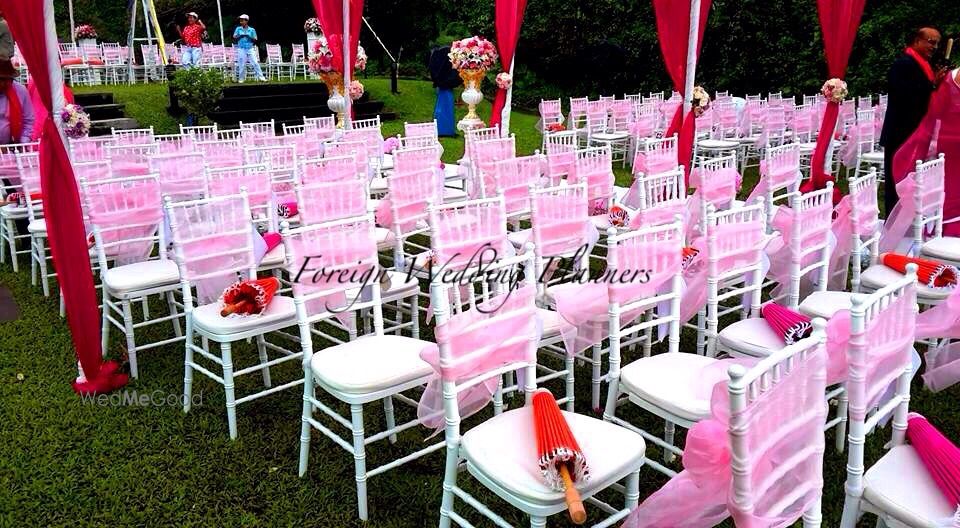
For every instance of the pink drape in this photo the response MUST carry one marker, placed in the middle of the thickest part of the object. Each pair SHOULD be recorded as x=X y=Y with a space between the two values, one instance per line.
x=68 y=240
x=509 y=18
x=330 y=14
x=839 y=20
x=673 y=28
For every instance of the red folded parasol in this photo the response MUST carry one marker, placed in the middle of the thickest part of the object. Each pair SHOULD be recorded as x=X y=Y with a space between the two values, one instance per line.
x=249 y=297
x=271 y=239
x=788 y=324
x=939 y=455
x=689 y=253
x=931 y=273
x=619 y=217
x=287 y=209
x=561 y=461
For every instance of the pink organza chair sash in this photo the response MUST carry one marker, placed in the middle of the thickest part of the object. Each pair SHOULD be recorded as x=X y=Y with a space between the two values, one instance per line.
x=328 y=201
x=814 y=223
x=255 y=179
x=462 y=237
x=181 y=176
x=778 y=171
x=325 y=170
x=127 y=214
x=856 y=214
x=900 y=219
x=405 y=205
x=560 y=223
x=496 y=333
x=514 y=177
x=595 y=168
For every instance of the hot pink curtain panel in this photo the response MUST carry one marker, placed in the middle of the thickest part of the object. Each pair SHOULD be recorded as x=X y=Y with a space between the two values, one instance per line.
x=65 y=230
x=330 y=14
x=509 y=18
x=839 y=20
x=673 y=28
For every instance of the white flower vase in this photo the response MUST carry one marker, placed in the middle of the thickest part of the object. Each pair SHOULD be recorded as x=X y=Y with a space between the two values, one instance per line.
x=337 y=104
x=84 y=42
x=472 y=96
x=311 y=38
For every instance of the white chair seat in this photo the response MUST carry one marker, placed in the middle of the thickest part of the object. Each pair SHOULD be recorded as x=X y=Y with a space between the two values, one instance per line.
x=14 y=211
x=274 y=257
x=752 y=337
x=826 y=303
x=453 y=171
x=519 y=238
x=550 y=322
x=900 y=485
x=942 y=248
x=502 y=452
x=453 y=195
x=872 y=157
x=141 y=276
x=387 y=163
x=385 y=237
x=809 y=146
x=878 y=276
x=610 y=136
x=38 y=226
x=674 y=382
x=399 y=288
x=370 y=364
x=717 y=144
x=749 y=140
x=207 y=318
x=600 y=221
x=378 y=185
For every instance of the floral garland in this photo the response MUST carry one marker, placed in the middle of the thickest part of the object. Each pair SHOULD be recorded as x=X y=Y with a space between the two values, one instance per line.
x=504 y=81
x=834 y=90
x=473 y=53
x=701 y=100
x=76 y=122
x=356 y=90
x=320 y=59
x=85 y=31
x=312 y=25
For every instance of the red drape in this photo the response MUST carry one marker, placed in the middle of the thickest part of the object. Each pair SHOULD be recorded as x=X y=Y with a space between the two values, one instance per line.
x=330 y=15
x=509 y=18
x=673 y=30
x=65 y=230
x=839 y=20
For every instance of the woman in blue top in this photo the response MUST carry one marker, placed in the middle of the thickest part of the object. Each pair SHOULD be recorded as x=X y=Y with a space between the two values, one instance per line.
x=245 y=40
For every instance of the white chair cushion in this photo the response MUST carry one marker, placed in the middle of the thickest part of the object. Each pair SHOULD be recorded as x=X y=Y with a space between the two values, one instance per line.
x=550 y=321
x=717 y=144
x=503 y=450
x=387 y=162
x=600 y=221
x=674 y=382
x=274 y=258
x=280 y=310
x=826 y=303
x=14 y=211
x=141 y=276
x=453 y=171
x=378 y=185
x=900 y=485
x=610 y=136
x=370 y=363
x=385 y=237
x=878 y=276
x=942 y=248
x=519 y=238
x=872 y=157
x=752 y=337
x=38 y=226
x=453 y=195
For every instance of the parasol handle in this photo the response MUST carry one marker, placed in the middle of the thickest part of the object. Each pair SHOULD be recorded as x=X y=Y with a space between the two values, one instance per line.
x=574 y=503
x=232 y=308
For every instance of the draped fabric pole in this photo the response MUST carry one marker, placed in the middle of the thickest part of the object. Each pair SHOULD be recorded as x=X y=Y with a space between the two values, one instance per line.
x=73 y=38
x=347 y=68
x=65 y=230
x=220 y=23
x=839 y=20
x=509 y=19
x=692 y=49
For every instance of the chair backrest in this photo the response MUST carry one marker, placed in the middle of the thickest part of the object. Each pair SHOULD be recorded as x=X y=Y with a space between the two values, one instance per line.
x=324 y=123
x=561 y=153
x=781 y=173
x=182 y=176
x=255 y=180
x=89 y=148
x=560 y=226
x=735 y=240
x=421 y=129
x=325 y=201
x=468 y=234
x=345 y=252
x=727 y=119
x=864 y=102
x=550 y=111
x=578 y=110
x=640 y=263
x=513 y=177
x=656 y=156
x=356 y=149
x=28 y=169
x=293 y=130
x=410 y=195
x=594 y=166
x=8 y=157
x=371 y=137
x=131 y=159
x=93 y=171
x=414 y=142
x=258 y=129
x=220 y=153
x=212 y=237
x=335 y=168
x=200 y=133
x=274 y=55
x=297 y=54
x=808 y=239
x=776 y=413
x=126 y=215
x=373 y=122
x=486 y=153
x=133 y=136
x=416 y=159
x=471 y=137
x=716 y=182
x=282 y=160
x=774 y=126
x=658 y=197
x=171 y=143
x=865 y=134
x=230 y=134
x=928 y=198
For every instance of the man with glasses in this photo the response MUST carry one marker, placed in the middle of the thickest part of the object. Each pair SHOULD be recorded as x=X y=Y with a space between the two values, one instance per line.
x=910 y=83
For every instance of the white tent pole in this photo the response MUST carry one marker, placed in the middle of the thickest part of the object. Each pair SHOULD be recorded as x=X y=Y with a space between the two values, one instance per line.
x=507 y=105
x=220 y=23
x=347 y=65
x=53 y=66
x=146 y=21
x=691 y=56
x=131 y=53
x=73 y=38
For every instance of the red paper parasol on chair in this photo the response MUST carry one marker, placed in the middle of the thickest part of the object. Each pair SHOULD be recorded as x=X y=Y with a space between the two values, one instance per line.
x=249 y=297
x=939 y=455
x=788 y=324
x=930 y=273
x=619 y=217
x=561 y=461
x=689 y=253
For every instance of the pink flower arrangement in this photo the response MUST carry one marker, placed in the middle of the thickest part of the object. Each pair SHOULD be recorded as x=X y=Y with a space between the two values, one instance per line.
x=361 y=62
x=312 y=25
x=390 y=144
x=834 y=90
x=85 y=31
x=473 y=53
x=76 y=122
x=504 y=80
x=321 y=58
x=356 y=90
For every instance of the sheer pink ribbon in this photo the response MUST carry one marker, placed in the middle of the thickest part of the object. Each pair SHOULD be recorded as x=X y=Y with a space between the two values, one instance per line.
x=110 y=221
x=899 y=220
x=406 y=209
x=843 y=231
x=583 y=308
x=475 y=349
x=349 y=248
x=943 y=362
x=701 y=494
x=784 y=221
x=721 y=191
x=776 y=177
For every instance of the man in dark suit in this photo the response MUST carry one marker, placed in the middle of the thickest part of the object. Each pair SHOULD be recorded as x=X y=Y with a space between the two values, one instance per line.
x=445 y=79
x=910 y=83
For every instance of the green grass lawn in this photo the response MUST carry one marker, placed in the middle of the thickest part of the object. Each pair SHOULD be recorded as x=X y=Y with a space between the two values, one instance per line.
x=68 y=462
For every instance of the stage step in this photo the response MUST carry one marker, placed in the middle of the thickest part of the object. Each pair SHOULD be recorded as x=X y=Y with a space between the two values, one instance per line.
x=258 y=89
x=102 y=127
x=104 y=111
x=93 y=99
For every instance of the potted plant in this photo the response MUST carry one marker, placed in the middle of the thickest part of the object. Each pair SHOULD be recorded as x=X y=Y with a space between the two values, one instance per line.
x=198 y=91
